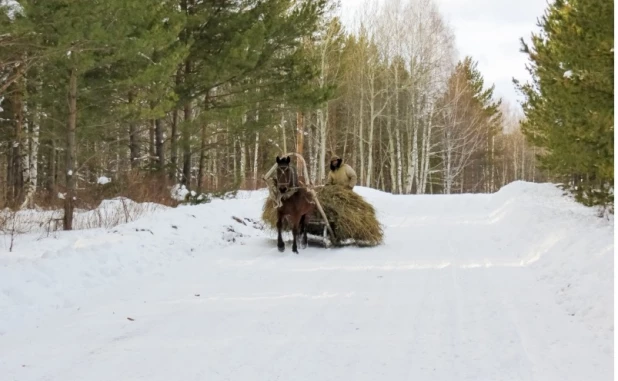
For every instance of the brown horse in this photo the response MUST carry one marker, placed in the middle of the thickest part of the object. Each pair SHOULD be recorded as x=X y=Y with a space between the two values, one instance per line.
x=296 y=207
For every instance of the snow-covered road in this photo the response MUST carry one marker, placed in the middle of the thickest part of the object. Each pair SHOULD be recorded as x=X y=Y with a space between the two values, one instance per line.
x=516 y=285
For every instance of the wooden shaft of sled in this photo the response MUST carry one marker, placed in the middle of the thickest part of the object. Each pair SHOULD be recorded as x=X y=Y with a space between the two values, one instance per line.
x=317 y=203
x=267 y=175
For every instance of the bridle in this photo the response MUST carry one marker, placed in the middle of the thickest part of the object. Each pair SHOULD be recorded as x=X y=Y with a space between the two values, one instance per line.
x=283 y=171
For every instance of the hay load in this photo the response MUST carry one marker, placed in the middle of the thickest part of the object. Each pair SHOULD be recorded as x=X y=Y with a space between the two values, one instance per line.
x=350 y=216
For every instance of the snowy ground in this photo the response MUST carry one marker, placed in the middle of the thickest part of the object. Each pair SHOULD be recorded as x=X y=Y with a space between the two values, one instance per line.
x=517 y=285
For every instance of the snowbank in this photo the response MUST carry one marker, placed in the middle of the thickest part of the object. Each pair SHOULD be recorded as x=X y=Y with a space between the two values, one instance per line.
x=108 y=214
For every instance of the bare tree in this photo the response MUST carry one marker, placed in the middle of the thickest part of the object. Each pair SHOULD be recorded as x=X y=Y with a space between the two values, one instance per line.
x=461 y=126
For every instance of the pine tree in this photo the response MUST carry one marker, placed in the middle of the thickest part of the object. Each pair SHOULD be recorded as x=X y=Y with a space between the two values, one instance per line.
x=91 y=50
x=569 y=104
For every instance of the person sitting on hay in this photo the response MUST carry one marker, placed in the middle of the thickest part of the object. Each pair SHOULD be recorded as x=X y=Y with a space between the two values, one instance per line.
x=341 y=174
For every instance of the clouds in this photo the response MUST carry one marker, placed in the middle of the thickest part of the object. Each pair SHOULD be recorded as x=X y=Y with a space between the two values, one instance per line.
x=489 y=31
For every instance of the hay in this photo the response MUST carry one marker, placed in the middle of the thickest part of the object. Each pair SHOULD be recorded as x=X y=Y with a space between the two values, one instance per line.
x=269 y=215
x=350 y=216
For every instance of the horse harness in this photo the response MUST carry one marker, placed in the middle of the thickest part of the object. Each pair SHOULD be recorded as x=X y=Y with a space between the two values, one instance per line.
x=276 y=194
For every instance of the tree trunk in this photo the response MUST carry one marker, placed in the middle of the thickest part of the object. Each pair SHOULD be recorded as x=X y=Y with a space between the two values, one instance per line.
x=233 y=157
x=391 y=154
x=523 y=160
x=152 y=149
x=243 y=161
x=399 y=161
x=119 y=145
x=186 y=139
x=425 y=155
x=70 y=151
x=18 y=147
x=413 y=161
x=33 y=157
x=160 y=151
x=133 y=138
x=360 y=141
x=200 y=172
x=255 y=160
x=313 y=153
x=493 y=165
x=284 y=140
x=24 y=154
x=447 y=160
x=174 y=143
x=214 y=161
x=370 y=143
x=52 y=168
x=323 y=130
x=300 y=133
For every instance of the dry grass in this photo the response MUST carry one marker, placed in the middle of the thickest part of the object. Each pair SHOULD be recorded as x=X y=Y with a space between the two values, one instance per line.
x=137 y=186
x=350 y=216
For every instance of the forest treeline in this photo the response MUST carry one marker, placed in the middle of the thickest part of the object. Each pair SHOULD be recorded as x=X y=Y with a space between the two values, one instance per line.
x=152 y=93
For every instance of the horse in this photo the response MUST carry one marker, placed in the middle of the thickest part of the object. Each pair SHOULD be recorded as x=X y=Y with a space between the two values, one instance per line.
x=296 y=207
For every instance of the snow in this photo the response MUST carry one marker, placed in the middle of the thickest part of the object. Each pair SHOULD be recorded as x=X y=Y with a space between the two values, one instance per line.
x=568 y=74
x=12 y=7
x=103 y=180
x=70 y=173
x=515 y=285
x=179 y=192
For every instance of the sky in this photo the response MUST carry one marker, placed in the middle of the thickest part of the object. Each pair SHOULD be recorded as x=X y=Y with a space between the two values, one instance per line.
x=490 y=32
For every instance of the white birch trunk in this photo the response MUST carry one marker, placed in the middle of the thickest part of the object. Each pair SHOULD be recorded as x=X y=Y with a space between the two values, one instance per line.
x=397 y=164
x=24 y=151
x=523 y=160
x=323 y=129
x=413 y=161
x=399 y=161
x=515 y=161
x=243 y=161
x=32 y=161
x=448 y=177
x=391 y=153
x=285 y=145
x=493 y=165
x=215 y=168
x=370 y=142
x=255 y=160
x=425 y=154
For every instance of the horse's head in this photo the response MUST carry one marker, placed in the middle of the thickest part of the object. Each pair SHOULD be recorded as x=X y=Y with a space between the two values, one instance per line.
x=285 y=174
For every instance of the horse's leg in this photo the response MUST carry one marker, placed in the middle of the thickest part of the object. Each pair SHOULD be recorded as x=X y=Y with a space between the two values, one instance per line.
x=303 y=230
x=295 y=235
x=280 y=243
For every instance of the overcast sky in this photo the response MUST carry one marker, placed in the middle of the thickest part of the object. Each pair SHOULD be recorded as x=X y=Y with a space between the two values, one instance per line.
x=489 y=31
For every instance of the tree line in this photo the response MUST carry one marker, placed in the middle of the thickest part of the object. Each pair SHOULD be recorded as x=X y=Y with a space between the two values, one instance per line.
x=207 y=93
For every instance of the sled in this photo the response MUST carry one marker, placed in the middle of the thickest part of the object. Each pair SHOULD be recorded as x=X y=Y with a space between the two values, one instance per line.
x=329 y=225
